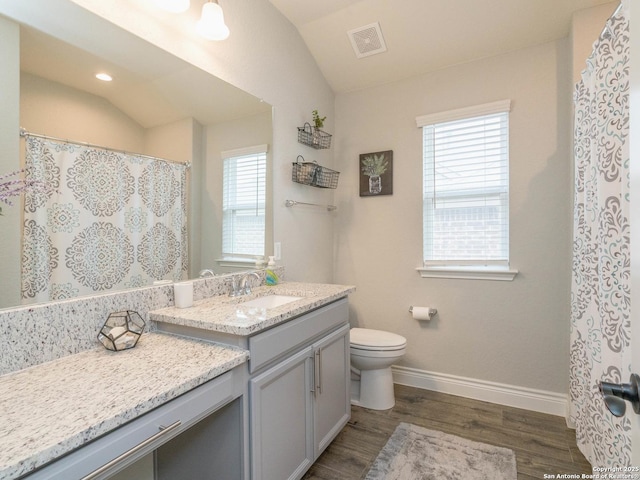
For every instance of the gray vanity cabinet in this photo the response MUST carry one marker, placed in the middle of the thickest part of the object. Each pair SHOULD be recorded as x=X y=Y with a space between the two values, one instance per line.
x=332 y=402
x=282 y=419
x=300 y=401
x=200 y=434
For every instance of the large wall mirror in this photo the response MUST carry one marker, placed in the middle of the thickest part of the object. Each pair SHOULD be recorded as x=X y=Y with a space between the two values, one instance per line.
x=156 y=105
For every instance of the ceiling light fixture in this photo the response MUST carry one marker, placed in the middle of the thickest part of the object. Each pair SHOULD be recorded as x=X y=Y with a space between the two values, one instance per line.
x=105 y=77
x=173 y=6
x=211 y=24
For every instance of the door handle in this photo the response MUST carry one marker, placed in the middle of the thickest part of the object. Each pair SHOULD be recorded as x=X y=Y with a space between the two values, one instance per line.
x=616 y=393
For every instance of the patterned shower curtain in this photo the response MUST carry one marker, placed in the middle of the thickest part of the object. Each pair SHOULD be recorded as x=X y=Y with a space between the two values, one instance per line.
x=110 y=221
x=600 y=291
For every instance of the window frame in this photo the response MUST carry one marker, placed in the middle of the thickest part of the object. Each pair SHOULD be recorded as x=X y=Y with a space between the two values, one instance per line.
x=474 y=269
x=229 y=155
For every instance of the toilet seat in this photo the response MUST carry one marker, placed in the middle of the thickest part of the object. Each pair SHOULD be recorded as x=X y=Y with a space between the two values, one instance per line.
x=366 y=339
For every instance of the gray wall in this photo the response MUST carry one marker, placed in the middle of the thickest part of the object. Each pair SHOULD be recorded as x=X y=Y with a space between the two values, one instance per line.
x=9 y=158
x=516 y=332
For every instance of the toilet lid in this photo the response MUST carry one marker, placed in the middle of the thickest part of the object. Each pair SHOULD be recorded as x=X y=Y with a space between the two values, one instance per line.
x=376 y=339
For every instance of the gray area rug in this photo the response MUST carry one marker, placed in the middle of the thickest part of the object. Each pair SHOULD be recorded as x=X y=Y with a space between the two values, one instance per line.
x=415 y=453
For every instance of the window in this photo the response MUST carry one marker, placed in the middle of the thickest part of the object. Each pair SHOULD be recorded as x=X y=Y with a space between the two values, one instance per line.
x=466 y=192
x=243 y=202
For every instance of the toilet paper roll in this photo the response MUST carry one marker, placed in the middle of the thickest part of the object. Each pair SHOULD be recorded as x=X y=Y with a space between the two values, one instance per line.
x=423 y=313
x=183 y=293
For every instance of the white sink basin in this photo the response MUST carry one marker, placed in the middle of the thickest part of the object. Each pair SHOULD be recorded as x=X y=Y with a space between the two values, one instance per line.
x=270 y=301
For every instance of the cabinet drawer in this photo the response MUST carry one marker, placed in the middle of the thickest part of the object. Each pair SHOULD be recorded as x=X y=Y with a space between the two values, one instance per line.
x=268 y=346
x=142 y=435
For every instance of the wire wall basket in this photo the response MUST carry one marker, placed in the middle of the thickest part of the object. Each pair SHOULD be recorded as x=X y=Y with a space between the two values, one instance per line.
x=310 y=173
x=314 y=137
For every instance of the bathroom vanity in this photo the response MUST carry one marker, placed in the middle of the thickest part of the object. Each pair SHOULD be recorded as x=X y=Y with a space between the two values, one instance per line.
x=232 y=388
x=298 y=369
x=300 y=403
x=92 y=414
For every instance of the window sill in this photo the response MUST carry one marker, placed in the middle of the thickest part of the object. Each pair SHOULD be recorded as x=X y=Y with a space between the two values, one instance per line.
x=236 y=262
x=469 y=273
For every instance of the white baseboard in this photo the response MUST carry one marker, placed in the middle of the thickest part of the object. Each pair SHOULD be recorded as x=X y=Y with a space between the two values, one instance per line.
x=502 y=394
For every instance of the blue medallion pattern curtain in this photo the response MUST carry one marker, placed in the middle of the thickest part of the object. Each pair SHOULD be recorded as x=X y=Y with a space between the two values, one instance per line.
x=600 y=291
x=111 y=220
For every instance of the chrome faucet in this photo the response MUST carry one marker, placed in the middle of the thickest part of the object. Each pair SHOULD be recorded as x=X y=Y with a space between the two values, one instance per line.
x=207 y=272
x=243 y=287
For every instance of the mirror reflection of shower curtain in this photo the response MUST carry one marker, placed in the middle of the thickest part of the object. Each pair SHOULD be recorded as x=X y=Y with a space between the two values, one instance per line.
x=114 y=221
x=600 y=290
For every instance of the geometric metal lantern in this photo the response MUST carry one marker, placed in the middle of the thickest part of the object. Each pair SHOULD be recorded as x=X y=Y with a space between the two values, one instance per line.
x=121 y=331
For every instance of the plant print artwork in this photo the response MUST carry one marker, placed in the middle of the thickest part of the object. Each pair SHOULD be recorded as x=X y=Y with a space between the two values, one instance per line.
x=376 y=173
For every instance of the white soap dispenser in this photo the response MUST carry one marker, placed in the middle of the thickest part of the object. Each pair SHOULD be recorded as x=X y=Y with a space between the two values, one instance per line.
x=272 y=261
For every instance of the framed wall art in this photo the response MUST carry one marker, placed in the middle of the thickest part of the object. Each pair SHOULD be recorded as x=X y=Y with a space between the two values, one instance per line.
x=376 y=173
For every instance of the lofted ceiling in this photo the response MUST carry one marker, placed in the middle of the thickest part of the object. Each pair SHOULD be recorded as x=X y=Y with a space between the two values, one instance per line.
x=420 y=36
x=423 y=35
x=150 y=85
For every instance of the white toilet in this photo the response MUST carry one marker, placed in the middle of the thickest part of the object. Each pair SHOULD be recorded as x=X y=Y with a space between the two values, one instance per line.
x=372 y=354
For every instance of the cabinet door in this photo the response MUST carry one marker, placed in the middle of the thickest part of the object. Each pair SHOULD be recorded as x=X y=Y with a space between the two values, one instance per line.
x=282 y=419
x=332 y=406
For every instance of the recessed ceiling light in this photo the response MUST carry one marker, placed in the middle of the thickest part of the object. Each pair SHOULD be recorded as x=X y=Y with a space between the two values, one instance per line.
x=105 y=77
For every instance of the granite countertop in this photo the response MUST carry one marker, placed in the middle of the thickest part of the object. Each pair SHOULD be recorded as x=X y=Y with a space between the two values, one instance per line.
x=228 y=314
x=51 y=409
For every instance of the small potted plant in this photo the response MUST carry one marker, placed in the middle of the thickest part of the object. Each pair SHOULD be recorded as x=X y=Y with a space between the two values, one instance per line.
x=318 y=123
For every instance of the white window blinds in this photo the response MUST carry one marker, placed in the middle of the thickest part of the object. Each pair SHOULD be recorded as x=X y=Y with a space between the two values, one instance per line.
x=243 y=204
x=466 y=186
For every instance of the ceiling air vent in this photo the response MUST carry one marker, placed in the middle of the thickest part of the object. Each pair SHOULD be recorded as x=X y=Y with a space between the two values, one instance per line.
x=367 y=40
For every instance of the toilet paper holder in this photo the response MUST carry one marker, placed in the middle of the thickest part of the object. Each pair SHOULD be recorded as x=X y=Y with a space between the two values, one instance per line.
x=432 y=312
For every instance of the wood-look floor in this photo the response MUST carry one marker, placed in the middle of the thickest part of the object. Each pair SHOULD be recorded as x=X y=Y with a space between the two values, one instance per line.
x=542 y=443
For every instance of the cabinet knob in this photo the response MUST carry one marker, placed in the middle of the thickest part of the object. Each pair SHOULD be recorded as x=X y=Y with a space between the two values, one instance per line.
x=615 y=395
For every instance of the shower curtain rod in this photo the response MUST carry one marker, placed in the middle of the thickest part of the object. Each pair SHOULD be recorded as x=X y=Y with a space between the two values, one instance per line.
x=606 y=32
x=24 y=133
